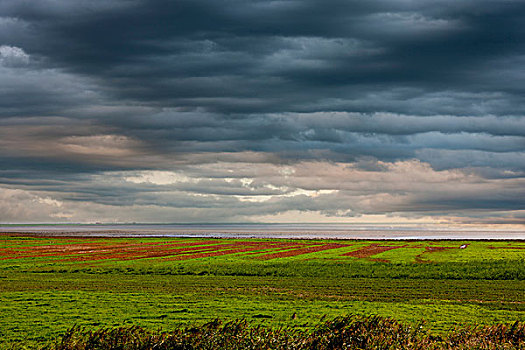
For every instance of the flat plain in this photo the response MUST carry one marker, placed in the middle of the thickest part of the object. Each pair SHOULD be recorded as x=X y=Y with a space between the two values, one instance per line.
x=49 y=284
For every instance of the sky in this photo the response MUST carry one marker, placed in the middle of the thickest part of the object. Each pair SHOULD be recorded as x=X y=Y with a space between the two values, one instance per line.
x=372 y=111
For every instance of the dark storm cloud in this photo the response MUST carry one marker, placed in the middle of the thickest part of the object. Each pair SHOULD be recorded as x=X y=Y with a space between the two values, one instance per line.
x=282 y=56
x=244 y=57
x=96 y=88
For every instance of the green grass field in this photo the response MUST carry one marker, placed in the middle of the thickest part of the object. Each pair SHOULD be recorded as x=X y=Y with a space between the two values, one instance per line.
x=47 y=285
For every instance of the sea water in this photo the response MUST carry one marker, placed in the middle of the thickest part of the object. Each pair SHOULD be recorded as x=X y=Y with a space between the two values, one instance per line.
x=298 y=231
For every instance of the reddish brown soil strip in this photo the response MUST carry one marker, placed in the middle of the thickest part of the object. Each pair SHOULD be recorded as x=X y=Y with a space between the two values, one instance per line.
x=104 y=245
x=216 y=253
x=160 y=252
x=139 y=254
x=128 y=255
x=431 y=249
x=94 y=249
x=279 y=247
x=83 y=252
x=209 y=254
x=301 y=251
x=239 y=247
x=371 y=250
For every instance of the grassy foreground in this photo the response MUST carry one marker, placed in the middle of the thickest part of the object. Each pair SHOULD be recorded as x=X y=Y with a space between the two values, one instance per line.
x=350 y=332
x=47 y=285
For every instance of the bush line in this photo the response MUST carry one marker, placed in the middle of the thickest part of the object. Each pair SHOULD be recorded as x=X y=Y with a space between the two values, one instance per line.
x=350 y=332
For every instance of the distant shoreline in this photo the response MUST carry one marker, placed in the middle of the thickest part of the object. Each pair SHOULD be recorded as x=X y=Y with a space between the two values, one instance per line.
x=260 y=231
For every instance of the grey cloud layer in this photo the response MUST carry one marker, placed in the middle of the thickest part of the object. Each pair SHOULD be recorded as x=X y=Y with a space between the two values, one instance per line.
x=245 y=57
x=108 y=88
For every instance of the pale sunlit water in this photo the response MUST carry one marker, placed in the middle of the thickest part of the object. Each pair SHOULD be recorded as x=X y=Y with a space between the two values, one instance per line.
x=302 y=231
